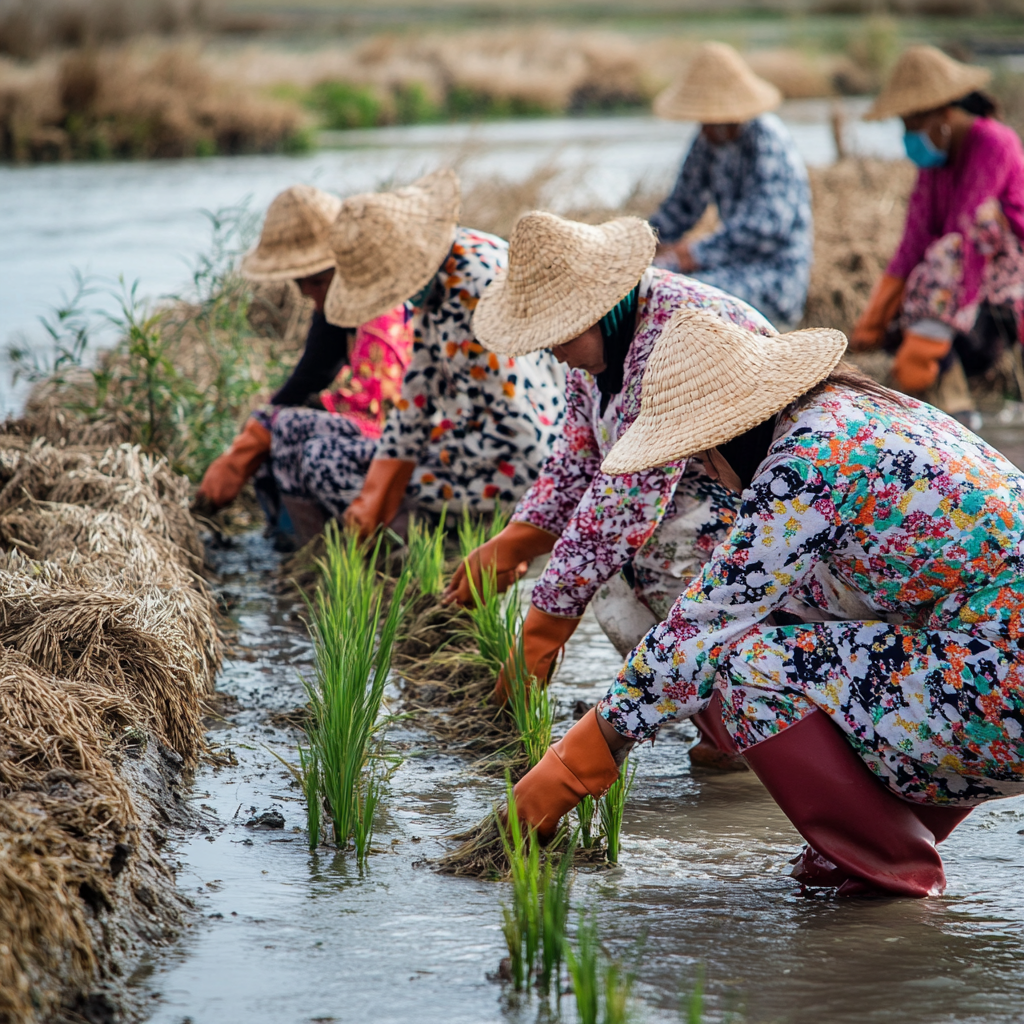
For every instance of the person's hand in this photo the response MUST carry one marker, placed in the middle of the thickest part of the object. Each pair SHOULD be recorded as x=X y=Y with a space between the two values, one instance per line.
x=458 y=590
x=687 y=264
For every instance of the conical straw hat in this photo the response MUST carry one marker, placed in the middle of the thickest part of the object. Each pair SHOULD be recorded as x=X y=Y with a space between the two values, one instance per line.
x=293 y=242
x=717 y=88
x=562 y=277
x=708 y=381
x=388 y=245
x=925 y=78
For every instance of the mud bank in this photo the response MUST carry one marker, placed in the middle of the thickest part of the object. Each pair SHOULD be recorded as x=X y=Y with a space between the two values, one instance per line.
x=108 y=648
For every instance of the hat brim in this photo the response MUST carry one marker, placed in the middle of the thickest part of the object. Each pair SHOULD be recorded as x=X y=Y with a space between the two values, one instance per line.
x=917 y=101
x=672 y=105
x=553 y=318
x=803 y=359
x=254 y=268
x=349 y=306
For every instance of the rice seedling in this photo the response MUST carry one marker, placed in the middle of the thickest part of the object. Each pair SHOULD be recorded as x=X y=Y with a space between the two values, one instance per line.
x=424 y=558
x=343 y=764
x=585 y=811
x=495 y=621
x=476 y=530
x=534 y=925
x=612 y=806
x=531 y=706
x=597 y=980
x=691 y=1009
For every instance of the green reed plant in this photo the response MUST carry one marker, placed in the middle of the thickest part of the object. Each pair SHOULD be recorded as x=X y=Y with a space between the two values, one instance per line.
x=424 y=556
x=612 y=806
x=353 y=635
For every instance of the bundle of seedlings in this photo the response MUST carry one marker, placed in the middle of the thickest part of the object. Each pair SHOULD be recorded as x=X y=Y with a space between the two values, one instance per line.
x=344 y=769
x=483 y=850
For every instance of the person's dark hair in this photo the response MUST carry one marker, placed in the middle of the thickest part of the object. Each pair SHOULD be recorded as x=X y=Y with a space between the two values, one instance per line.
x=846 y=375
x=978 y=103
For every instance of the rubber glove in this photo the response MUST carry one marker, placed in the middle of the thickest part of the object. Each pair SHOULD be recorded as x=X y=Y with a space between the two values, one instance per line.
x=227 y=474
x=381 y=496
x=543 y=637
x=882 y=308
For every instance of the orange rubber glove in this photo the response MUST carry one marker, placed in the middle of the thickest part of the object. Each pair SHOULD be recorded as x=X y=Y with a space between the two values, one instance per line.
x=508 y=555
x=227 y=474
x=578 y=764
x=916 y=366
x=381 y=496
x=543 y=637
x=882 y=308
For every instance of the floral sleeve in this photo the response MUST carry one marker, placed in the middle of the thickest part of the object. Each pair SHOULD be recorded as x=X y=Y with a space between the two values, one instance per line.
x=787 y=517
x=573 y=462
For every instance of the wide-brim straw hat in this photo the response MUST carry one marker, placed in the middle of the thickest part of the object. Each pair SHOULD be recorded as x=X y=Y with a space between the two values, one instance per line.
x=717 y=88
x=925 y=78
x=562 y=277
x=293 y=242
x=388 y=245
x=708 y=381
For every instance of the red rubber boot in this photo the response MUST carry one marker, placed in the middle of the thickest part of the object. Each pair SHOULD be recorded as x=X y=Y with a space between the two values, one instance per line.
x=847 y=815
x=715 y=748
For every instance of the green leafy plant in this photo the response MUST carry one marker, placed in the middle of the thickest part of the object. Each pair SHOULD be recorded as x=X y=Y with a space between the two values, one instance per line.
x=343 y=767
x=425 y=554
x=612 y=807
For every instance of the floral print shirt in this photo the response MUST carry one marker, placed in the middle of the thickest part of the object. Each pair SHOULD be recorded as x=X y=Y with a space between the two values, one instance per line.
x=862 y=510
x=494 y=416
x=762 y=249
x=602 y=521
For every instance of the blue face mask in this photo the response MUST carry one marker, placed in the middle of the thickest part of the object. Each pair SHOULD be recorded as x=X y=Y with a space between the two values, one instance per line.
x=923 y=151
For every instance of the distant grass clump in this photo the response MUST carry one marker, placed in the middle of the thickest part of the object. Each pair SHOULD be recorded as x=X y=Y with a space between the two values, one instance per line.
x=344 y=769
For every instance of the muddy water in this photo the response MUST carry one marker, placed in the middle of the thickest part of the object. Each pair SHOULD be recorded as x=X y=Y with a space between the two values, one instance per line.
x=288 y=936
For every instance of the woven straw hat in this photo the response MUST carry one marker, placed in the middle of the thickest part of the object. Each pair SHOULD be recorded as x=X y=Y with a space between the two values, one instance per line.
x=708 y=381
x=925 y=78
x=293 y=242
x=717 y=88
x=388 y=245
x=562 y=277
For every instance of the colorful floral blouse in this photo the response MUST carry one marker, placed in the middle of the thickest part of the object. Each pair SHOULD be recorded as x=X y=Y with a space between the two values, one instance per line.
x=478 y=425
x=897 y=518
x=372 y=382
x=601 y=520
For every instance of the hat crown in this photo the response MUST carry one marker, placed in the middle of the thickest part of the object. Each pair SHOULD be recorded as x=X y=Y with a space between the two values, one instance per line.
x=925 y=78
x=718 y=87
x=923 y=67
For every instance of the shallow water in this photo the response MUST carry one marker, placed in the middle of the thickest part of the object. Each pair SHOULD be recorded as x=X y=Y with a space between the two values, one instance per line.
x=144 y=220
x=288 y=936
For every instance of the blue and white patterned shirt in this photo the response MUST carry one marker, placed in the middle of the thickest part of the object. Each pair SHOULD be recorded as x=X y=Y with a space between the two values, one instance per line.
x=761 y=252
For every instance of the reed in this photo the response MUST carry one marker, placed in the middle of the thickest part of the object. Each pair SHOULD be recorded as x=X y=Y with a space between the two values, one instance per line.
x=424 y=558
x=344 y=767
x=612 y=807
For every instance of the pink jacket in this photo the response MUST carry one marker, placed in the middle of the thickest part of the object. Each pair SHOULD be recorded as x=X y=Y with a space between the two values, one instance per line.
x=944 y=200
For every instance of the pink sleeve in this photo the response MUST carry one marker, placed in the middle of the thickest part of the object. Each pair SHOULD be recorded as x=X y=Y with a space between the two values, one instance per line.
x=574 y=461
x=1011 y=193
x=919 y=229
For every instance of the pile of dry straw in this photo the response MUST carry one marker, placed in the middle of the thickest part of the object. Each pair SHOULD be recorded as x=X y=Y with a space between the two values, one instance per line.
x=108 y=643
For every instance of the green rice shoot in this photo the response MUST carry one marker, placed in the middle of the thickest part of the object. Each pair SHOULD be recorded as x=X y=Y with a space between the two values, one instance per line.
x=612 y=807
x=344 y=769
x=474 y=531
x=424 y=556
x=531 y=705
x=598 y=981
x=586 y=809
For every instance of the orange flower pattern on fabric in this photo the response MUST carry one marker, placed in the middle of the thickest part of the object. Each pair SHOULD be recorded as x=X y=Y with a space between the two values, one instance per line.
x=604 y=521
x=909 y=542
x=478 y=427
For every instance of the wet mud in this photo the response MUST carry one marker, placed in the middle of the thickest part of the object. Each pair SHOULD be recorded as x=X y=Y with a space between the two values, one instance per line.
x=286 y=935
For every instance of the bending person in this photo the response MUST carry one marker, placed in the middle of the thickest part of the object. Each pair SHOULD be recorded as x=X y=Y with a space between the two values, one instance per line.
x=746 y=163
x=878 y=734
x=469 y=429
x=954 y=287
x=628 y=545
x=371 y=360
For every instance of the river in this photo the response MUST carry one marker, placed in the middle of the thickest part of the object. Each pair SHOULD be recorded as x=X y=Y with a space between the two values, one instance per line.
x=145 y=221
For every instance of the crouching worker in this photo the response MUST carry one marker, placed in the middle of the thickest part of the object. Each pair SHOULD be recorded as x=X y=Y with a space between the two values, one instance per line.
x=371 y=360
x=626 y=544
x=875 y=731
x=954 y=290
x=469 y=429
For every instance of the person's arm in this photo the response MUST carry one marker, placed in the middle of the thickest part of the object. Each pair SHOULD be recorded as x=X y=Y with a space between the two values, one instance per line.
x=919 y=229
x=787 y=519
x=573 y=462
x=326 y=352
x=773 y=192
x=688 y=199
